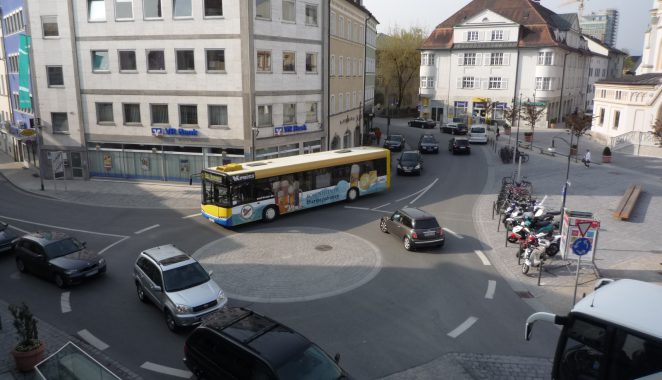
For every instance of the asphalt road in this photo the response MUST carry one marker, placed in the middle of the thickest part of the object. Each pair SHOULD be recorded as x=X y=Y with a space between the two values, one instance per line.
x=400 y=319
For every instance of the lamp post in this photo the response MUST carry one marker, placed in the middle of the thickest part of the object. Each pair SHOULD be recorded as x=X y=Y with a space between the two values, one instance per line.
x=254 y=132
x=41 y=163
x=519 y=111
x=567 y=175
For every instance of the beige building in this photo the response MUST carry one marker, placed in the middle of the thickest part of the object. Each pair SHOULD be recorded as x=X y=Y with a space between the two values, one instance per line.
x=6 y=143
x=346 y=72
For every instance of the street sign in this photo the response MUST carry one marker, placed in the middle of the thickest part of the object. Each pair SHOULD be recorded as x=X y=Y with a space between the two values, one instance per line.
x=581 y=246
x=583 y=226
x=535 y=104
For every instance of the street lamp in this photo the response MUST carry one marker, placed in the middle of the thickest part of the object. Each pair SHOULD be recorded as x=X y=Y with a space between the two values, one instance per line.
x=254 y=132
x=519 y=111
x=41 y=162
x=567 y=174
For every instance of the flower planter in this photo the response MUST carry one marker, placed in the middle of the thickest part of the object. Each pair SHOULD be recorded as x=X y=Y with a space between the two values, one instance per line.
x=25 y=361
x=573 y=151
x=506 y=131
x=552 y=125
x=606 y=159
x=528 y=138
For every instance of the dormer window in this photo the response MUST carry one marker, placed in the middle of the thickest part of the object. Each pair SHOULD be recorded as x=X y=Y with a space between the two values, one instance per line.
x=497 y=35
x=472 y=36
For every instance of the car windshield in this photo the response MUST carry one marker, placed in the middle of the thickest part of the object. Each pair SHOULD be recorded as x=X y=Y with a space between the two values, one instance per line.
x=63 y=247
x=426 y=223
x=310 y=364
x=7 y=234
x=395 y=138
x=461 y=142
x=428 y=139
x=184 y=277
x=477 y=130
x=409 y=156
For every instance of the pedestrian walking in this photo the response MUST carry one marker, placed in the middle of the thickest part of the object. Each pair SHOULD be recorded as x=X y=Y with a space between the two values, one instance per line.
x=497 y=133
x=378 y=135
x=587 y=158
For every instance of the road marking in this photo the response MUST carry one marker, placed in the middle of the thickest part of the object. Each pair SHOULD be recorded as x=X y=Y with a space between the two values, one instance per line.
x=463 y=327
x=93 y=340
x=191 y=216
x=112 y=245
x=358 y=208
x=425 y=190
x=19 y=229
x=453 y=233
x=65 y=306
x=482 y=257
x=166 y=370
x=409 y=196
x=147 y=229
x=543 y=200
x=491 y=287
x=61 y=228
x=378 y=207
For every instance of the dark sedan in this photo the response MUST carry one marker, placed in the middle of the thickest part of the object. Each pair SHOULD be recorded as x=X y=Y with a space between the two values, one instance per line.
x=57 y=257
x=459 y=145
x=394 y=142
x=427 y=143
x=7 y=237
x=410 y=162
x=422 y=123
x=454 y=128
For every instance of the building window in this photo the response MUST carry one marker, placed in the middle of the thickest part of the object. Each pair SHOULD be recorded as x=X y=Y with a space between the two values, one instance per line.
x=590 y=72
x=497 y=35
x=264 y=116
x=603 y=93
x=545 y=58
x=131 y=113
x=617 y=118
x=263 y=9
x=348 y=66
x=311 y=62
x=123 y=9
x=468 y=82
x=54 y=76
x=105 y=113
x=290 y=113
x=100 y=61
x=602 y=116
x=155 y=60
x=348 y=101
x=341 y=104
x=213 y=8
x=60 y=122
x=496 y=83
x=289 y=62
x=49 y=26
x=341 y=26
x=472 y=36
x=152 y=9
x=543 y=83
x=332 y=27
x=127 y=60
x=290 y=11
x=427 y=82
x=188 y=114
x=96 y=10
x=496 y=59
x=159 y=113
x=185 y=61
x=215 y=60
x=340 y=66
x=311 y=14
x=427 y=59
x=263 y=61
x=333 y=104
x=311 y=112
x=332 y=66
x=469 y=59
x=619 y=94
x=182 y=9
x=218 y=116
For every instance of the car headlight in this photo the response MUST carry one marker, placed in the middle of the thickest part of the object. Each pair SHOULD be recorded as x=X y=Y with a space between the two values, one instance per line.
x=182 y=309
x=418 y=166
x=70 y=271
x=102 y=262
x=221 y=297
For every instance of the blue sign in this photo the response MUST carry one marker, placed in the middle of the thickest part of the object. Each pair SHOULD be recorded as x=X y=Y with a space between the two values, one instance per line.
x=581 y=246
x=174 y=132
x=289 y=129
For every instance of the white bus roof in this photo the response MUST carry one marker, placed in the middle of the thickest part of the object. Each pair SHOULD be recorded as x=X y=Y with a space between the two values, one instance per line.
x=633 y=304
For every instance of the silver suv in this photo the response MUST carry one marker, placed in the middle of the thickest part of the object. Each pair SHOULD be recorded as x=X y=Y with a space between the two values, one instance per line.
x=177 y=284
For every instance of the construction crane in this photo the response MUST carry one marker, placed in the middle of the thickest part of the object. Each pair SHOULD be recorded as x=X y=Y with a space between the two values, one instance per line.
x=580 y=5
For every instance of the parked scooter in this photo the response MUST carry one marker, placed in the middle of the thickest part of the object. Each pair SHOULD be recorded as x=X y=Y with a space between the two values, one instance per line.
x=534 y=255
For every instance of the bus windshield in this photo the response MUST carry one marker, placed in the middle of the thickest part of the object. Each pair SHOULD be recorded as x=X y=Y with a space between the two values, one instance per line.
x=216 y=194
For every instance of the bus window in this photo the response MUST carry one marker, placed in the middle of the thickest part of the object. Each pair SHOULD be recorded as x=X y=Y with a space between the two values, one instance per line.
x=242 y=194
x=263 y=189
x=583 y=352
x=322 y=179
x=215 y=194
x=634 y=357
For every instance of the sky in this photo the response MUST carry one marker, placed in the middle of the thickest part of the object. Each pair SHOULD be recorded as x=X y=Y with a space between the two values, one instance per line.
x=633 y=15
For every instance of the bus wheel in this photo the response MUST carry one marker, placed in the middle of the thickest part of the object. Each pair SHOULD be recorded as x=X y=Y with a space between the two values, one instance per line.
x=269 y=214
x=352 y=194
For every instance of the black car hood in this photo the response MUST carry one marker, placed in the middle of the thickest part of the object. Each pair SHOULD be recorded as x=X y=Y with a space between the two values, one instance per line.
x=408 y=162
x=76 y=260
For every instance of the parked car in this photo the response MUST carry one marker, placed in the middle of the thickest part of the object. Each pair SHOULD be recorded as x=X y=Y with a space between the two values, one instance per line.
x=58 y=257
x=478 y=134
x=459 y=145
x=177 y=284
x=394 y=142
x=410 y=162
x=8 y=237
x=428 y=143
x=422 y=123
x=414 y=227
x=454 y=128
x=237 y=343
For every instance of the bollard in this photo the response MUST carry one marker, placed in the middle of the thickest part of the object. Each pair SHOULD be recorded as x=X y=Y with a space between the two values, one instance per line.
x=540 y=271
x=493 y=207
x=506 y=237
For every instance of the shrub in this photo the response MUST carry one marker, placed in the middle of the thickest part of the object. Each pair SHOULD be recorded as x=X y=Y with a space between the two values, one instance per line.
x=26 y=328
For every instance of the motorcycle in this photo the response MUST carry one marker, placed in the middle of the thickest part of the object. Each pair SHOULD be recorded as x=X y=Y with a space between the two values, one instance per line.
x=518 y=234
x=534 y=256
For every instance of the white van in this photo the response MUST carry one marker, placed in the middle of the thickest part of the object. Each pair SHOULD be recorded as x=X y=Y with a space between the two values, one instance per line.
x=478 y=134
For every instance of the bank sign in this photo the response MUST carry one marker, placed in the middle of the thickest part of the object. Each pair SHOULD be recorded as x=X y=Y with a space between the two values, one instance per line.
x=159 y=132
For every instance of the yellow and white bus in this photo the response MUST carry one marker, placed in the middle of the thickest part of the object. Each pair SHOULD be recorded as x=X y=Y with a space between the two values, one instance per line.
x=234 y=194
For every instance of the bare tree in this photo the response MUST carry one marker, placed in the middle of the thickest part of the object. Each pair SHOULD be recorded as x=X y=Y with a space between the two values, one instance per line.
x=532 y=114
x=579 y=125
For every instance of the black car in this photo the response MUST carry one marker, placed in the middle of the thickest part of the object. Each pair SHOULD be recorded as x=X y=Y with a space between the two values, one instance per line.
x=237 y=343
x=428 y=143
x=459 y=145
x=422 y=123
x=394 y=142
x=58 y=257
x=7 y=237
x=455 y=128
x=414 y=227
x=410 y=162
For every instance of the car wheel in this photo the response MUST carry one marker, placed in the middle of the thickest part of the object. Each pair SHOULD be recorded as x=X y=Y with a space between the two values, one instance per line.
x=269 y=214
x=170 y=321
x=352 y=194
x=141 y=293
x=409 y=246
x=21 y=266
x=59 y=281
x=383 y=227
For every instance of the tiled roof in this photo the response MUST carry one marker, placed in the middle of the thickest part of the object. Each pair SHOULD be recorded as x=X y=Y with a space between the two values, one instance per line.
x=651 y=79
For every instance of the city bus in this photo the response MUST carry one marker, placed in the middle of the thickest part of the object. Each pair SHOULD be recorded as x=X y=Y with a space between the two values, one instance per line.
x=234 y=194
x=613 y=333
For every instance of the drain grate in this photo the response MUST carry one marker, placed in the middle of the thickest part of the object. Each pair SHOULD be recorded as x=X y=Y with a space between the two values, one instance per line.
x=525 y=294
x=323 y=247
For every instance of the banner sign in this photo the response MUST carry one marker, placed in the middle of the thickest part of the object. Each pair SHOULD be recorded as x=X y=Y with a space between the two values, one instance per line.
x=278 y=131
x=158 y=132
x=24 y=100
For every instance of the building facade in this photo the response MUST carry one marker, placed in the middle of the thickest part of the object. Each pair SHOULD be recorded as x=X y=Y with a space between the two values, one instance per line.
x=6 y=141
x=159 y=90
x=605 y=63
x=500 y=53
x=347 y=55
x=651 y=58
x=370 y=69
x=602 y=25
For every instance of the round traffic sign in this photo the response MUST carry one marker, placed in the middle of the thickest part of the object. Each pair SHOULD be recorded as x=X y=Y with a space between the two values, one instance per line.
x=581 y=246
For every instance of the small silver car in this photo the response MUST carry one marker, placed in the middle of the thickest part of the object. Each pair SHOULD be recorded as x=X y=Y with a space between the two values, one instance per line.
x=178 y=285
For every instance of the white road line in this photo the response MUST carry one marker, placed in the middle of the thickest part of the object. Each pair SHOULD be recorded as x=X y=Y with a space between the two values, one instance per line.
x=482 y=257
x=543 y=200
x=425 y=190
x=358 y=208
x=491 y=287
x=453 y=233
x=65 y=305
x=19 y=229
x=147 y=229
x=409 y=196
x=112 y=245
x=191 y=216
x=60 y=228
x=463 y=327
x=166 y=370
x=378 y=207
x=93 y=340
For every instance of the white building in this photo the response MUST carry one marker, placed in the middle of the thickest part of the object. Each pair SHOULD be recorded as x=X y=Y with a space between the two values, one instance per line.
x=605 y=63
x=6 y=143
x=160 y=89
x=500 y=52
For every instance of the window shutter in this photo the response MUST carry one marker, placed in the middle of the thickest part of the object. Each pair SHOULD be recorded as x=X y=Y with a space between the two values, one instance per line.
x=487 y=57
x=459 y=82
x=460 y=59
x=479 y=58
x=481 y=36
x=504 y=84
x=506 y=34
x=466 y=36
x=506 y=59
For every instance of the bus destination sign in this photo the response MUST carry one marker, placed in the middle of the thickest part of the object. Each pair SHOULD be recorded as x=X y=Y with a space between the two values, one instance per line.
x=242 y=177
